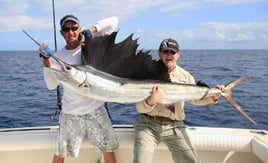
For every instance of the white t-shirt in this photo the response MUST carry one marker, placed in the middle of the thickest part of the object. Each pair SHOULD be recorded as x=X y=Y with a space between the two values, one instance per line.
x=73 y=102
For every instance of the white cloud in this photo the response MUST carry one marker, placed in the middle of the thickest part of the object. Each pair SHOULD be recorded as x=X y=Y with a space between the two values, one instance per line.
x=233 y=2
x=16 y=15
x=218 y=34
x=13 y=7
x=31 y=10
x=178 y=6
x=17 y=23
x=125 y=9
x=87 y=11
x=228 y=32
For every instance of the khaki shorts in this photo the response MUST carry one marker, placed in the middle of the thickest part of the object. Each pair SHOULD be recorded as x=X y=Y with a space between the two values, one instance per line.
x=96 y=126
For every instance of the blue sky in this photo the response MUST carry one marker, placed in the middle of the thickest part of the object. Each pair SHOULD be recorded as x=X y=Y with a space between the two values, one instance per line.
x=195 y=24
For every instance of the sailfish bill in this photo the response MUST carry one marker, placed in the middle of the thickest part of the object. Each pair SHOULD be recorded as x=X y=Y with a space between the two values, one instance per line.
x=115 y=73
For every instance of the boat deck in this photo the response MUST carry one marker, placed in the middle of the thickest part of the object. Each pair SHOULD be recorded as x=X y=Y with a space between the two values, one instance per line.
x=214 y=145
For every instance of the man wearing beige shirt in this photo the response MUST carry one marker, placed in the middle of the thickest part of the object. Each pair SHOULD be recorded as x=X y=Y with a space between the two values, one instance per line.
x=159 y=122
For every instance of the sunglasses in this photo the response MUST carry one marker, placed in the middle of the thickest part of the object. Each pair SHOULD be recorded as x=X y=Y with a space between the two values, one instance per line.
x=67 y=29
x=166 y=52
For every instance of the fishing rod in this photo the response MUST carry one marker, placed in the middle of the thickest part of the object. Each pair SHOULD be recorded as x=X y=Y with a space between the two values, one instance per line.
x=59 y=97
x=31 y=37
x=46 y=50
x=49 y=54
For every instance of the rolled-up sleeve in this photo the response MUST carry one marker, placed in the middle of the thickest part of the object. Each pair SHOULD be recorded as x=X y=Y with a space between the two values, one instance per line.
x=106 y=26
x=143 y=107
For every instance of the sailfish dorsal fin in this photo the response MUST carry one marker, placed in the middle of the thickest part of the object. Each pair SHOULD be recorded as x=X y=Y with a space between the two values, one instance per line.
x=121 y=59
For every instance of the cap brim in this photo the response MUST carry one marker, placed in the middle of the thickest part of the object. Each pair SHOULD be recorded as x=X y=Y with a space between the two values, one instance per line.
x=175 y=50
x=69 y=19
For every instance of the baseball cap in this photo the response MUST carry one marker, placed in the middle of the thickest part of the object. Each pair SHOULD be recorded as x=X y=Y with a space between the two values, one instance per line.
x=69 y=18
x=169 y=44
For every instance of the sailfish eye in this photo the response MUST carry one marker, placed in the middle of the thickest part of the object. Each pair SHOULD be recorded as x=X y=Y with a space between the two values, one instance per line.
x=68 y=68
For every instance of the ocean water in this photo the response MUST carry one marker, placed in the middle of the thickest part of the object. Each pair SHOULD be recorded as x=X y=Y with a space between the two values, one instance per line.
x=26 y=102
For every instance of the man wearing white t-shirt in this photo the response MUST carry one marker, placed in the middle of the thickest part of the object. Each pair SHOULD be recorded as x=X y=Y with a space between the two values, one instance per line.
x=80 y=115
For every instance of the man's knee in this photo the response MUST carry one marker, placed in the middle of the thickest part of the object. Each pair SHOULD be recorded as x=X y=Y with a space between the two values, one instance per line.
x=58 y=159
x=109 y=157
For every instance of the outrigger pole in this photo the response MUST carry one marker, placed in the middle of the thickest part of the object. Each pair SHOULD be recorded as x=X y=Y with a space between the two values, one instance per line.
x=59 y=98
x=54 y=25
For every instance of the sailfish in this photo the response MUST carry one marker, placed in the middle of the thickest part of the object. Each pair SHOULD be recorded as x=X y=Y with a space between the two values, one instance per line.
x=118 y=72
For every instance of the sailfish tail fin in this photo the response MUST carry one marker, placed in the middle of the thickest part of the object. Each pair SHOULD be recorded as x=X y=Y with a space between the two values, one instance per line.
x=227 y=94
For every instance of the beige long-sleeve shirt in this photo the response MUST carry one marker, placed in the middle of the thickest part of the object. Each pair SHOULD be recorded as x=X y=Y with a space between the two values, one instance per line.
x=175 y=111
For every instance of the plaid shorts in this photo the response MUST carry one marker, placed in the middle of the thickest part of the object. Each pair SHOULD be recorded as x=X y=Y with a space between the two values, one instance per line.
x=96 y=126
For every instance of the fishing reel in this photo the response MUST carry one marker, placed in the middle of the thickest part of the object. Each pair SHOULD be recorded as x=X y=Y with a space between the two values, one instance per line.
x=59 y=105
x=57 y=113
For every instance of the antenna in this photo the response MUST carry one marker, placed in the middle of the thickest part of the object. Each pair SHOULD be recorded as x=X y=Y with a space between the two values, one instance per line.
x=54 y=25
x=59 y=98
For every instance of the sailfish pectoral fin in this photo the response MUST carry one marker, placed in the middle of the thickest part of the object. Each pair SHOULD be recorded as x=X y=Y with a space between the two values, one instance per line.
x=228 y=96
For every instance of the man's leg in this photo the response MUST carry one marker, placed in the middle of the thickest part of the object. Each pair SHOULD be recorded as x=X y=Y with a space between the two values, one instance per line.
x=179 y=143
x=58 y=159
x=101 y=134
x=70 y=137
x=109 y=157
x=145 y=139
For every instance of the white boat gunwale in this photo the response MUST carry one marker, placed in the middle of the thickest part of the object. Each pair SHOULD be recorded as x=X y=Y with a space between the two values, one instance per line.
x=205 y=139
